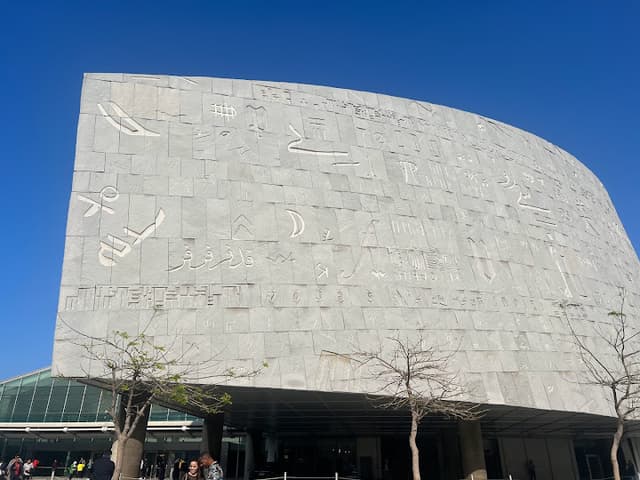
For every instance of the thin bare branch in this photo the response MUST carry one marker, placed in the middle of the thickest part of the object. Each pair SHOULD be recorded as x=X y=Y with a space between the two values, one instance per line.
x=615 y=369
x=140 y=372
x=412 y=375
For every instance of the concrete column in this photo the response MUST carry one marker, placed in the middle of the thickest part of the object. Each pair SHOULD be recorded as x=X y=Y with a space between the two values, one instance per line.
x=451 y=455
x=134 y=448
x=271 y=448
x=472 y=450
x=212 y=429
x=249 y=460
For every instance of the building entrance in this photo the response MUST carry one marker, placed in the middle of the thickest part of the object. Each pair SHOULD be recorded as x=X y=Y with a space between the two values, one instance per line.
x=318 y=456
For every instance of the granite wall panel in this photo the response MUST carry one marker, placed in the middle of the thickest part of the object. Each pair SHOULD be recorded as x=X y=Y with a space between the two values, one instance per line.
x=290 y=223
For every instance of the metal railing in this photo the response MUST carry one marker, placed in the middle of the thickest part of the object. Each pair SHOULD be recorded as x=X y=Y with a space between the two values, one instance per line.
x=286 y=476
x=508 y=477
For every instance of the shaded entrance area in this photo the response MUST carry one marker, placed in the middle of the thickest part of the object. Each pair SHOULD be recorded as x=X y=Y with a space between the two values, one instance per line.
x=270 y=431
x=321 y=433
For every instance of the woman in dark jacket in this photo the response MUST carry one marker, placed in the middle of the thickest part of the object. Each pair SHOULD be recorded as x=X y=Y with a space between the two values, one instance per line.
x=194 y=471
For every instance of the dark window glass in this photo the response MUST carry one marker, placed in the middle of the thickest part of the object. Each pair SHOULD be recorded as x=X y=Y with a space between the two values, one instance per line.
x=56 y=404
x=158 y=413
x=74 y=403
x=8 y=400
x=175 y=415
x=105 y=404
x=90 y=405
x=41 y=397
x=23 y=402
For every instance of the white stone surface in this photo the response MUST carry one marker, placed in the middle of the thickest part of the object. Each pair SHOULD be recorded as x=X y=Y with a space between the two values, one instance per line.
x=284 y=222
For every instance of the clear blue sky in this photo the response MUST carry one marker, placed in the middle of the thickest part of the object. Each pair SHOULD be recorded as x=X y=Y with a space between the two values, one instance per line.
x=567 y=71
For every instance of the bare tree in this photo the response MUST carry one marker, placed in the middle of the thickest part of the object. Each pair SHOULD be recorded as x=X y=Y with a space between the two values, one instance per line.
x=139 y=372
x=413 y=375
x=614 y=365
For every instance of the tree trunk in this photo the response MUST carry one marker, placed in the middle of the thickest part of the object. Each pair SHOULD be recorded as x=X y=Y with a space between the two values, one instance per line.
x=119 y=458
x=617 y=437
x=415 y=453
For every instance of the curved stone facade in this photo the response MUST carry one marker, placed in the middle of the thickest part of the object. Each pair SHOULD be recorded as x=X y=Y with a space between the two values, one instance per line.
x=288 y=223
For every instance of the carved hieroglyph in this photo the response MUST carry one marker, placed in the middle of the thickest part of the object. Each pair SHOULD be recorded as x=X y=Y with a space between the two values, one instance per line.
x=344 y=217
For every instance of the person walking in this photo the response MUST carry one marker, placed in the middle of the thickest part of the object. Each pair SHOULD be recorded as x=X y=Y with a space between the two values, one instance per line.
x=103 y=467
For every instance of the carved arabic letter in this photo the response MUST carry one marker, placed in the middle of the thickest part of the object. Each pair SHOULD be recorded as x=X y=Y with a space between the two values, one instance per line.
x=241 y=222
x=95 y=206
x=323 y=271
x=224 y=110
x=355 y=265
x=139 y=237
x=556 y=260
x=198 y=267
x=107 y=194
x=185 y=258
x=409 y=169
x=229 y=258
x=481 y=253
x=293 y=147
x=119 y=248
x=506 y=182
x=259 y=120
x=124 y=122
x=298 y=223
x=378 y=274
x=346 y=164
x=240 y=262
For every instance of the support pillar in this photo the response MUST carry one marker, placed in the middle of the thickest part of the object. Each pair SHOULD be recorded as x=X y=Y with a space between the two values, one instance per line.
x=271 y=448
x=212 y=430
x=249 y=459
x=134 y=449
x=472 y=450
x=451 y=455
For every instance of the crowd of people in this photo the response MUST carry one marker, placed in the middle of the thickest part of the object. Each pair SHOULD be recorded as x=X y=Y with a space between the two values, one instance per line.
x=204 y=468
x=102 y=468
x=17 y=469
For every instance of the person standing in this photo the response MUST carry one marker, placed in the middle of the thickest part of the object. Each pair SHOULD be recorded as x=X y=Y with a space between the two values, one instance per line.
x=193 y=473
x=80 y=468
x=161 y=467
x=103 y=467
x=211 y=469
x=531 y=469
x=72 y=469
x=15 y=468
x=176 y=471
x=27 y=469
x=54 y=467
